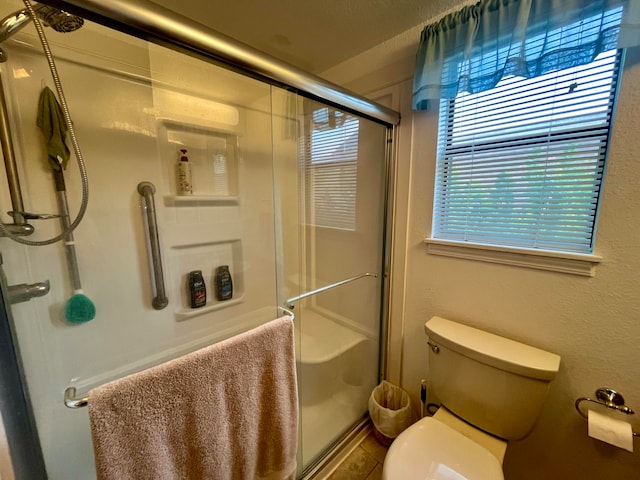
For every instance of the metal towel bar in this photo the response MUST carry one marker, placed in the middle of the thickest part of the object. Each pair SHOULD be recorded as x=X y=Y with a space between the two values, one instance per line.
x=288 y=312
x=607 y=397
x=146 y=190
x=290 y=301
x=71 y=401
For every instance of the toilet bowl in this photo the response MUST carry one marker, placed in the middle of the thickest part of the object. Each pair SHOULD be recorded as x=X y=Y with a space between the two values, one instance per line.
x=492 y=390
x=432 y=450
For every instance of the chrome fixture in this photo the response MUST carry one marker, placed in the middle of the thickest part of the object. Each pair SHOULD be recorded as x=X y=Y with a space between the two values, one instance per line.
x=290 y=301
x=71 y=401
x=59 y=20
x=24 y=292
x=62 y=22
x=288 y=313
x=158 y=24
x=19 y=226
x=33 y=216
x=146 y=191
x=607 y=397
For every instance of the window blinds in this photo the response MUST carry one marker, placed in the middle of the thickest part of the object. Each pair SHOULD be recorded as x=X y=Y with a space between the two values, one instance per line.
x=331 y=169
x=522 y=164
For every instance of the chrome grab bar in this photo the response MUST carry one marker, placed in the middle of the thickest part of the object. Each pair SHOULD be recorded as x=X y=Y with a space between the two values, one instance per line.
x=71 y=401
x=146 y=190
x=290 y=301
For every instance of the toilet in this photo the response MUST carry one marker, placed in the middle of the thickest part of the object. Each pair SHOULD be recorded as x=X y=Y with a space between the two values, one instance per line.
x=491 y=391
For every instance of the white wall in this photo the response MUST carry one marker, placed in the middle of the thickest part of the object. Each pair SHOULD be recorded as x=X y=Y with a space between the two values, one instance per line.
x=593 y=323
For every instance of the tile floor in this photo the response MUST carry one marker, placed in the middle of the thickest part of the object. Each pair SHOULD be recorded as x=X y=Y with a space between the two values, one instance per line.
x=364 y=463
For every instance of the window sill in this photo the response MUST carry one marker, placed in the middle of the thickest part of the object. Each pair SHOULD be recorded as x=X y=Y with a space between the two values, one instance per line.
x=573 y=263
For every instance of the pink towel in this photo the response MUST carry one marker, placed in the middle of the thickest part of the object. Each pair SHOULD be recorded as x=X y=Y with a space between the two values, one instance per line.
x=227 y=412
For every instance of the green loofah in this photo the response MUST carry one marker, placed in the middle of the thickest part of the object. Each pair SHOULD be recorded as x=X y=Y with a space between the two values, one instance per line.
x=79 y=309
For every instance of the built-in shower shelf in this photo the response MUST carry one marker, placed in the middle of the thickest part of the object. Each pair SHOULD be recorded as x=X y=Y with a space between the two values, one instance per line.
x=185 y=313
x=171 y=200
x=213 y=160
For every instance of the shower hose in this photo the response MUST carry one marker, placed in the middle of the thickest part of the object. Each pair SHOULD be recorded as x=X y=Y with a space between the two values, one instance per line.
x=74 y=142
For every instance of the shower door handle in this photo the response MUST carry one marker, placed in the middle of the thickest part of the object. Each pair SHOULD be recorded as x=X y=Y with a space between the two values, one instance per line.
x=146 y=190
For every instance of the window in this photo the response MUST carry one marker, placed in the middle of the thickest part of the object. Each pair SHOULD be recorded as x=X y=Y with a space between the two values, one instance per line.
x=522 y=165
x=331 y=169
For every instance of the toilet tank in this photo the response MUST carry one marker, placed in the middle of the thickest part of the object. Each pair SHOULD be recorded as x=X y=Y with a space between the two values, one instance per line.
x=494 y=383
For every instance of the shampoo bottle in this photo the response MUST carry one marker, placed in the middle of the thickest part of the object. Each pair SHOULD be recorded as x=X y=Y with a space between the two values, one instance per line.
x=224 y=285
x=197 y=289
x=183 y=172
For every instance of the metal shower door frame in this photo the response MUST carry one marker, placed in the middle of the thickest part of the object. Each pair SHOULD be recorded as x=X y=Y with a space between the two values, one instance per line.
x=15 y=406
x=158 y=25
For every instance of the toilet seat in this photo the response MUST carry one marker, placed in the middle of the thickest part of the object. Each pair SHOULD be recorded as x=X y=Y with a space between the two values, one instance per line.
x=431 y=450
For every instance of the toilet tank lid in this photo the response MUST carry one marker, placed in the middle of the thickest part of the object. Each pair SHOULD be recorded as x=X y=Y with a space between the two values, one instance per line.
x=494 y=350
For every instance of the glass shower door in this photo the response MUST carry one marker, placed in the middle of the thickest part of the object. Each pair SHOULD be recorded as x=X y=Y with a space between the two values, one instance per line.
x=286 y=191
x=145 y=104
x=330 y=171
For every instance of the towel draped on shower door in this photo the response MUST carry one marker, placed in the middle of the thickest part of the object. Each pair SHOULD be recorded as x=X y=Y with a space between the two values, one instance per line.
x=226 y=412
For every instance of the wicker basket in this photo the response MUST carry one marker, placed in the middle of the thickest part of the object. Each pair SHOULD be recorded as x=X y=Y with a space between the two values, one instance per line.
x=390 y=412
x=382 y=438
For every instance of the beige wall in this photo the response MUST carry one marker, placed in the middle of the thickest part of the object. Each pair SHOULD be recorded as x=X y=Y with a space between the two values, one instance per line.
x=6 y=469
x=593 y=323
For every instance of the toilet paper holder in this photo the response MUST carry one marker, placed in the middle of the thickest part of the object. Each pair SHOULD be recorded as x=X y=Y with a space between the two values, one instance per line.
x=609 y=398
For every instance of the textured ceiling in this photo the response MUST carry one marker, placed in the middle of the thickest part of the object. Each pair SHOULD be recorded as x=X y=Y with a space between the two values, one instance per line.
x=313 y=35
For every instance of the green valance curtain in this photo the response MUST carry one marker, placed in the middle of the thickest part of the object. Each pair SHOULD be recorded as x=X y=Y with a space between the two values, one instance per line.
x=471 y=50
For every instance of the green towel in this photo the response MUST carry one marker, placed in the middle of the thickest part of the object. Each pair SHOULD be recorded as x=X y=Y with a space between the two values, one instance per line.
x=51 y=122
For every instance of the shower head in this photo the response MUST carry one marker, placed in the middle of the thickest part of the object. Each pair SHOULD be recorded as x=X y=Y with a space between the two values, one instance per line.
x=59 y=20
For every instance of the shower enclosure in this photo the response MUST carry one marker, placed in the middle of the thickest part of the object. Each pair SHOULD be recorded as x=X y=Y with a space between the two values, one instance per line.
x=290 y=181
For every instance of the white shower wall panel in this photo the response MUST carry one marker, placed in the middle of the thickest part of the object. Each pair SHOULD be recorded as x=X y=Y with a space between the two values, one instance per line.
x=117 y=104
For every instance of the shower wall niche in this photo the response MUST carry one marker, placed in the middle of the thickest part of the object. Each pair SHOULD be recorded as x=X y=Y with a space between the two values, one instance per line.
x=212 y=156
x=258 y=187
x=214 y=163
x=206 y=256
